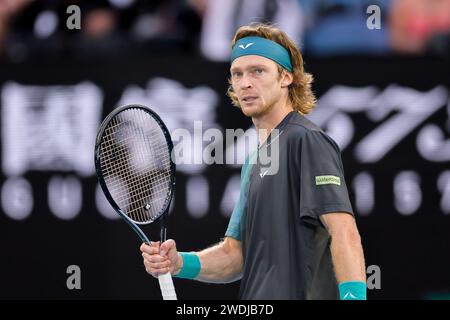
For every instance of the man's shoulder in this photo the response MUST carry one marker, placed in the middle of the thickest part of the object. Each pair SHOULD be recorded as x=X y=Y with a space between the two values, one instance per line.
x=300 y=125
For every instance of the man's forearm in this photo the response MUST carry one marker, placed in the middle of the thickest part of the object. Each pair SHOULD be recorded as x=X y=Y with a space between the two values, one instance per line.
x=348 y=257
x=221 y=263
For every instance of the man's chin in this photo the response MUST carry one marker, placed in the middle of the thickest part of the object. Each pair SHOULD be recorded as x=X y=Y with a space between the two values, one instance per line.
x=252 y=111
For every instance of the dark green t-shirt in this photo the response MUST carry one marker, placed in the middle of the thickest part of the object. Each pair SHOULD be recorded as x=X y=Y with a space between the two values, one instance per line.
x=286 y=248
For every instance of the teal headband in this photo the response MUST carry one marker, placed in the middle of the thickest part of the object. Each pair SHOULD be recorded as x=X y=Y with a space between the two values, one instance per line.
x=262 y=47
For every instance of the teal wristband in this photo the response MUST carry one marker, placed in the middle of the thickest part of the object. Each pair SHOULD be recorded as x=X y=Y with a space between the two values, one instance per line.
x=191 y=266
x=352 y=290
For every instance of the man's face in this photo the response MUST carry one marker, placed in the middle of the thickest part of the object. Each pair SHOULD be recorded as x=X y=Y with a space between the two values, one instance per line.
x=257 y=84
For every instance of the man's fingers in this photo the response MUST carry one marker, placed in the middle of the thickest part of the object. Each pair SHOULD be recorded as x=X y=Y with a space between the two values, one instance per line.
x=166 y=247
x=156 y=247
x=157 y=265
x=145 y=248
x=154 y=257
x=155 y=269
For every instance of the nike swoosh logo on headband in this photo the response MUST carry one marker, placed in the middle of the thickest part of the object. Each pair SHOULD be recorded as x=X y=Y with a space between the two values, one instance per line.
x=246 y=46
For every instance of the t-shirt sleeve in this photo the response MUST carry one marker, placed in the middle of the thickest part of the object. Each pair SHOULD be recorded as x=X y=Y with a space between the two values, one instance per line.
x=234 y=226
x=322 y=184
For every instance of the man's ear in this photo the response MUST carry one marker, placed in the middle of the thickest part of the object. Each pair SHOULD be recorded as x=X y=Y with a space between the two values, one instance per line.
x=286 y=79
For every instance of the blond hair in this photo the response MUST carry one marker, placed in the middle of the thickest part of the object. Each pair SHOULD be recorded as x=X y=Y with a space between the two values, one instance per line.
x=300 y=93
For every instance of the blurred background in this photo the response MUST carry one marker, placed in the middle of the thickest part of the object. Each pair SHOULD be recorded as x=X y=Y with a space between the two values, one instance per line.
x=382 y=77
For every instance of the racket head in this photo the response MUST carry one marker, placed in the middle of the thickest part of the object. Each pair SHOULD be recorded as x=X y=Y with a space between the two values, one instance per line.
x=133 y=155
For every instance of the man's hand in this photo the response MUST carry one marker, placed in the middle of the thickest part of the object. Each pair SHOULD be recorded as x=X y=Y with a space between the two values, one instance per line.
x=160 y=259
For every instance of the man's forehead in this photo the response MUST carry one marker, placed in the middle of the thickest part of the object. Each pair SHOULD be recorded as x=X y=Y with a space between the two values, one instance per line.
x=244 y=62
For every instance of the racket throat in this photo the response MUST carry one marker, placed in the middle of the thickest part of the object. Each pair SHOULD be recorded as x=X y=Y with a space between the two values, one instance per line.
x=163 y=231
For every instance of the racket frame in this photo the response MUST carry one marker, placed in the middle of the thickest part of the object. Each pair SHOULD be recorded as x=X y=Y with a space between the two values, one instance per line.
x=98 y=141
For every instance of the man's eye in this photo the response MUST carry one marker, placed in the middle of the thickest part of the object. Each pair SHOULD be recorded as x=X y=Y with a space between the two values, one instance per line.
x=258 y=71
x=236 y=74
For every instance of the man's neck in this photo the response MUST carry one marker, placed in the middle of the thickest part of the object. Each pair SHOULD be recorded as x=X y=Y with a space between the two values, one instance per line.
x=267 y=122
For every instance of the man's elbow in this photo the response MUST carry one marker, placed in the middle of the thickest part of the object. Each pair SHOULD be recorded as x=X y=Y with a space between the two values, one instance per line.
x=233 y=252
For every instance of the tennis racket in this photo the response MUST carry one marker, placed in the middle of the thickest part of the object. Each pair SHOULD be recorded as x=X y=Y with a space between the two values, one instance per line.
x=135 y=170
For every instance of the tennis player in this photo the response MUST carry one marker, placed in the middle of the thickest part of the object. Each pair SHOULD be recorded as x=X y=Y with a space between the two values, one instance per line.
x=292 y=234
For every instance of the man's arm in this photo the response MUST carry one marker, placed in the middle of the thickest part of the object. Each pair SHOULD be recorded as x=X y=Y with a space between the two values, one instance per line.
x=346 y=248
x=220 y=263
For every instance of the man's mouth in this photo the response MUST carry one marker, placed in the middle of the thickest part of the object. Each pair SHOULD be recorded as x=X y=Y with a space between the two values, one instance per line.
x=249 y=98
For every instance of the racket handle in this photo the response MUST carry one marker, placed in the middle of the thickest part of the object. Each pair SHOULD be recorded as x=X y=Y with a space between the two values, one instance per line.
x=167 y=288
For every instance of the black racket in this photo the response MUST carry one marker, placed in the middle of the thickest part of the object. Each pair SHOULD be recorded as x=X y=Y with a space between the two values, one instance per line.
x=136 y=172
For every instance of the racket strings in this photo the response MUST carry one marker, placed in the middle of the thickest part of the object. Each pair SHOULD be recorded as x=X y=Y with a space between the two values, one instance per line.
x=136 y=203
x=158 y=180
x=141 y=185
x=135 y=160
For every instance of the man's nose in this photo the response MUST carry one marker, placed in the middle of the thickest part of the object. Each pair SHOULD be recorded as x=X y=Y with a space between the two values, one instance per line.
x=246 y=82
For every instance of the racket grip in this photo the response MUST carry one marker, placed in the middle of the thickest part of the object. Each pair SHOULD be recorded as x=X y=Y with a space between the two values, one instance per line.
x=167 y=288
